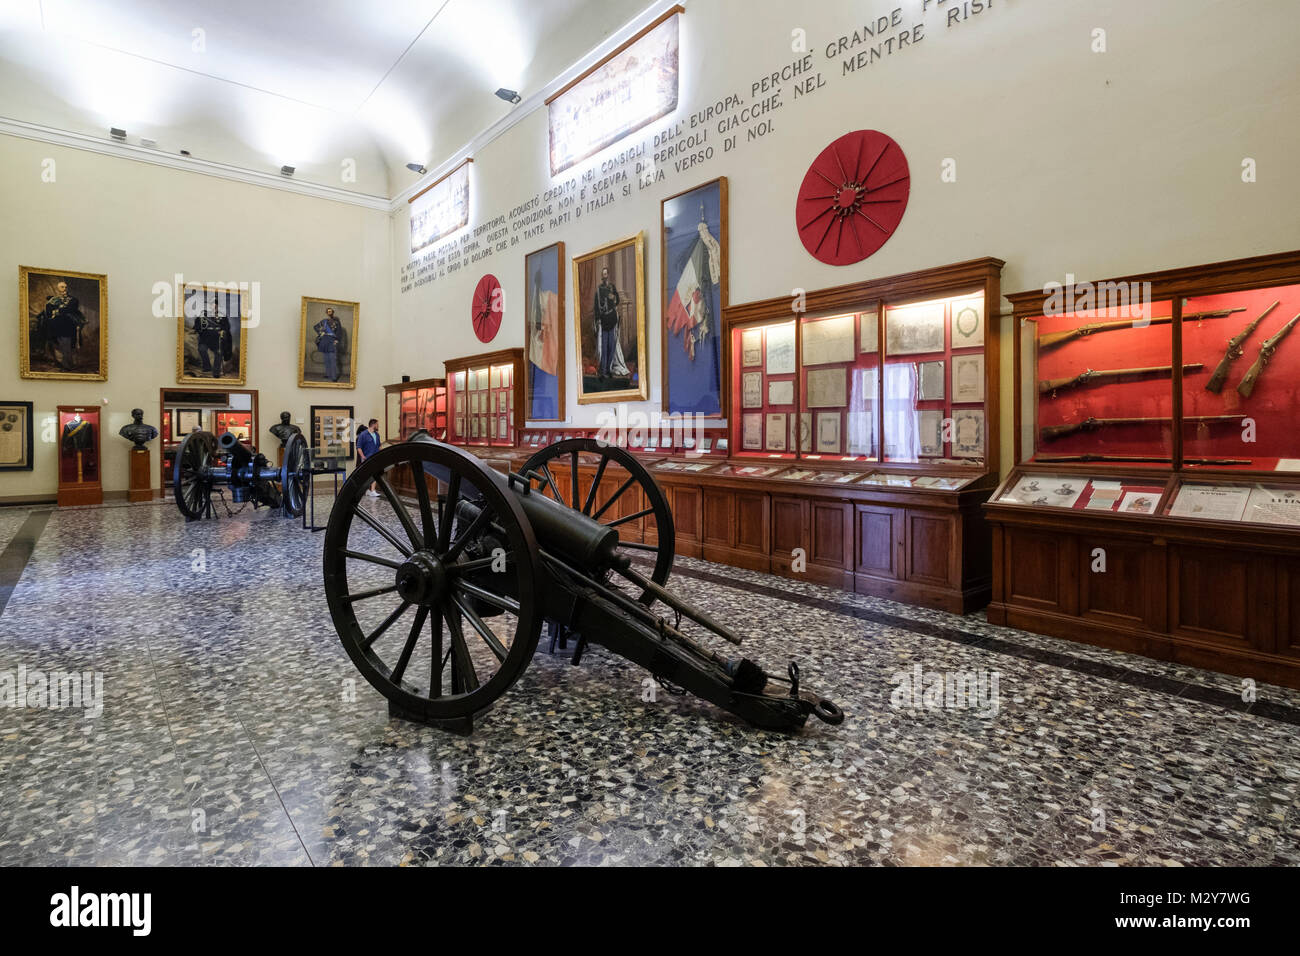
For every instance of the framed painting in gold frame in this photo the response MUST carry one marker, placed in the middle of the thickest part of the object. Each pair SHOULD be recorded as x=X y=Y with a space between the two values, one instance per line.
x=63 y=331
x=609 y=323
x=327 y=343
x=211 y=334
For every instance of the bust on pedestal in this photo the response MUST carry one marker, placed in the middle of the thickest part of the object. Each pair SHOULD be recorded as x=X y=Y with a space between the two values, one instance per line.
x=284 y=431
x=139 y=433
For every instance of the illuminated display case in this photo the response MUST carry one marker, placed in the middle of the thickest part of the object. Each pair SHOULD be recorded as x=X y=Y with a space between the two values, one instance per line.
x=1157 y=493
x=411 y=406
x=240 y=423
x=79 y=468
x=485 y=395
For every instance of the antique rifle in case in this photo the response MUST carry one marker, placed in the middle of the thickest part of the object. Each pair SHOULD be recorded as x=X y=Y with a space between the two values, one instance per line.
x=1266 y=351
x=1055 y=339
x=1053 y=432
x=1235 y=351
x=1109 y=377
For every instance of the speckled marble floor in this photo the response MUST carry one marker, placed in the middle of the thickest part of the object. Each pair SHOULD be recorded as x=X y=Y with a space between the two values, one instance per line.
x=230 y=733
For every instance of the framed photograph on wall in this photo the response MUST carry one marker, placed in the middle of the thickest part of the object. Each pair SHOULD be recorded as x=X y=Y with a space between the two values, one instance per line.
x=327 y=343
x=693 y=227
x=187 y=419
x=914 y=329
x=15 y=436
x=544 y=332
x=210 y=346
x=64 y=325
x=333 y=432
x=609 y=306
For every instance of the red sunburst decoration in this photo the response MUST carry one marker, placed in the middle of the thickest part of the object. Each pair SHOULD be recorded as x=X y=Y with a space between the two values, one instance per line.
x=852 y=198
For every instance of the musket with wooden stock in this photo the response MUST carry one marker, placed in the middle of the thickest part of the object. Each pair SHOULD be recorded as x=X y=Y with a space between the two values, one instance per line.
x=1137 y=459
x=1051 y=386
x=1235 y=351
x=1265 y=355
x=1053 y=432
x=1054 y=339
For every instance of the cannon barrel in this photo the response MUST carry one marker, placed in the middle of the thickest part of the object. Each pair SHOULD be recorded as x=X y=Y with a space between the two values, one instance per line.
x=240 y=456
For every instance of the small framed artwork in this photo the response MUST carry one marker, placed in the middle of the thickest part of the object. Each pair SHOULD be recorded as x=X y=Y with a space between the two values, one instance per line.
x=968 y=378
x=869 y=332
x=775 y=427
x=333 y=432
x=914 y=329
x=968 y=433
x=64 y=318
x=780 y=393
x=751 y=390
x=828 y=433
x=188 y=420
x=751 y=348
x=929 y=426
x=932 y=381
x=544 y=333
x=827 y=388
x=693 y=227
x=780 y=349
x=210 y=340
x=609 y=320
x=327 y=343
x=968 y=322
x=751 y=432
x=15 y=436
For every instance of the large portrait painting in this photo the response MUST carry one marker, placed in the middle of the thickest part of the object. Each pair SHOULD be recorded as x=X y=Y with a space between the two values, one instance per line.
x=63 y=330
x=694 y=230
x=609 y=297
x=210 y=346
x=544 y=315
x=327 y=343
x=15 y=436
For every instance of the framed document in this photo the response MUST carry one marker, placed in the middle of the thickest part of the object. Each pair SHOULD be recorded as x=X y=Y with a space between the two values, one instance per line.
x=1273 y=506
x=968 y=433
x=929 y=427
x=780 y=393
x=860 y=433
x=495 y=380
x=503 y=430
x=780 y=349
x=16 y=436
x=187 y=419
x=751 y=390
x=869 y=332
x=1214 y=502
x=801 y=431
x=776 y=431
x=932 y=381
x=751 y=431
x=827 y=388
x=828 y=433
x=968 y=378
x=751 y=347
x=913 y=329
x=460 y=405
x=968 y=322
x=828 y=340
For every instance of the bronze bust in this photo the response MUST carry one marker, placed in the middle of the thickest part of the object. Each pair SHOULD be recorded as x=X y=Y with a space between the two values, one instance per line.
x=138 y=431
x=285 y=430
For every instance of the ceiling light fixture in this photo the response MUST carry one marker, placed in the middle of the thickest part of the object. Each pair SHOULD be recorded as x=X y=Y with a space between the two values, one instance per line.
x=416 y=168
x=510 y=96
x=286 y=171
x=117 y=134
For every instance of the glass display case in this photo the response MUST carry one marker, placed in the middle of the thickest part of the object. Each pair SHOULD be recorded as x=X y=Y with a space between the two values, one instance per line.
x=485 y=393
x=334 y=432
x=240 y=423
x=79 y=470
x=411 y=406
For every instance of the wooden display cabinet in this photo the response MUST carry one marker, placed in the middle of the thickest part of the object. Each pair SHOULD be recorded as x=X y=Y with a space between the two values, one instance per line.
x=1186 y=549
x=410 y=406
x=80 y=481
x=485 y=398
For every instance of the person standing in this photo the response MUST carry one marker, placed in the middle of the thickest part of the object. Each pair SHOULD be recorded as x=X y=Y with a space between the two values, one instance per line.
x=329 y=341
x=606 y=309
x=367 y=445
x=62 y=320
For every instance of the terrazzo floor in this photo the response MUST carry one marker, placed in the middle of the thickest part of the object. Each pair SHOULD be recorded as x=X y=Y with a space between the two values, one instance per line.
x=235 y=730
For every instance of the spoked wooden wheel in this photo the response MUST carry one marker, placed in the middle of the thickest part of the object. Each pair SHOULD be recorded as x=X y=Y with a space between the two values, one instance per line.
x=295 y=476
x=620 y=495
x=434 y=601
x=191 y=478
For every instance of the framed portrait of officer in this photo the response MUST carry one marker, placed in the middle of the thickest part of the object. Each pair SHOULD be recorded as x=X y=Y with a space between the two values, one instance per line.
x=327 y=343
x=63 y=325
x=609 y=314
x=211 y=346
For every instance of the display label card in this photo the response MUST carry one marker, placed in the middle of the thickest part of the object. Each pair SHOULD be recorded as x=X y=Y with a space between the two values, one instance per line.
x=1139 y=503
x=1273 y=506
x=1212 y=502
x=1288 y=464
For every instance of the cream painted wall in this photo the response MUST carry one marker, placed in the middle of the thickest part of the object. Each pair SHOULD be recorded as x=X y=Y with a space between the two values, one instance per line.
x=1068 y=161
x=141 y=224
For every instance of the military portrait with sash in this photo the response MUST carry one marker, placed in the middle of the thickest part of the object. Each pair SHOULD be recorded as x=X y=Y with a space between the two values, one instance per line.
x=327 y=344
x=66 y=335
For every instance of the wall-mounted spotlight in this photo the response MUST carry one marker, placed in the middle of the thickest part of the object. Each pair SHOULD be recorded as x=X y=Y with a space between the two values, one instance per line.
x=416 y=168
x=510 y=96
x=148 y=143
x=286 y=170
x=185 y=152
x=117 y=134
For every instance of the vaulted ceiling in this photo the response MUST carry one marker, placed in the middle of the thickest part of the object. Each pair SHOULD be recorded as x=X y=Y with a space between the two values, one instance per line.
x=312 y=84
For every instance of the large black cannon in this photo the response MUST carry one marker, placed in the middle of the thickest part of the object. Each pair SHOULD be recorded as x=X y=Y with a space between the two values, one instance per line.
x=474 y=565
x=205 y=463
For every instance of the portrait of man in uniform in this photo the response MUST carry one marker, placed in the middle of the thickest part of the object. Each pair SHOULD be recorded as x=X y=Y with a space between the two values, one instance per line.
x=210 y=336
x=609 y=293
x=327 y=345
x=66 y=319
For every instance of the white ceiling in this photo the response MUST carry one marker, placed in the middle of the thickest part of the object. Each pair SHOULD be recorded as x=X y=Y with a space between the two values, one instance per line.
x=308 y=83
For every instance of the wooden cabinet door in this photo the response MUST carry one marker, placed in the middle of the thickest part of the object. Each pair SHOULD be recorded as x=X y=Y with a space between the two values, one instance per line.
x=830 y=526
x=752 y=523
x=878 y=542
x=1220 y=595
x=930 y=548
x=719 y=514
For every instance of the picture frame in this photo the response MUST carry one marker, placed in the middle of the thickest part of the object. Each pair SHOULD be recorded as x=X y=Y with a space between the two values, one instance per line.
x=544 y=334
x=968 y=378
x=327 y=343
x=187 y=419
x=694 y=249
x=210 y=335
x=775 y=429
x=751 y=390
x=51 y=302
x=780 y=356
x=16 y=436
x=333 y=431
x=968 y=433
x=751 y=348
x=931 y=381
x=828 y=433
x=929 y=427
x=915 y=329
x=967 y=322
x=618 y=269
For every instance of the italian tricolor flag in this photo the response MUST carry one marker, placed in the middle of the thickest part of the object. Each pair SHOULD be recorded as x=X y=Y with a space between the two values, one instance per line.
x=688 y=312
